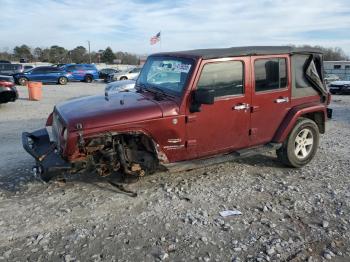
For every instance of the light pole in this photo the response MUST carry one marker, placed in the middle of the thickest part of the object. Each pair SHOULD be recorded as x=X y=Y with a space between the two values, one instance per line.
x=89 y=51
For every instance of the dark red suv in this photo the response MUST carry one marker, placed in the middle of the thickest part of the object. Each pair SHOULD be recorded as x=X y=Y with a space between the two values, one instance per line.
x=192 y=108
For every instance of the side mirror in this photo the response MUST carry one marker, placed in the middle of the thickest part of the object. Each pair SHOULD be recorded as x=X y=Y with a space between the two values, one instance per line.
x=202 y=97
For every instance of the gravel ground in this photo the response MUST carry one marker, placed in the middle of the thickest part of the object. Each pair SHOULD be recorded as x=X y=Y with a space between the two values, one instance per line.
x=287 y=214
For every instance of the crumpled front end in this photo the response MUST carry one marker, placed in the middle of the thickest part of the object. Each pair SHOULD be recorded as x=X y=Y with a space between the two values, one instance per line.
x=49 y=162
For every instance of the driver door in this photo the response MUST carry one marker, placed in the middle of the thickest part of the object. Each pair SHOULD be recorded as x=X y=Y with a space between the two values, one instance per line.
x=224 y=125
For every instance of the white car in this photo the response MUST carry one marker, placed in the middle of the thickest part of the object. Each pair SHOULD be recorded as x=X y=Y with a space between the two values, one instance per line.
x=129 y=74
x=331 y=78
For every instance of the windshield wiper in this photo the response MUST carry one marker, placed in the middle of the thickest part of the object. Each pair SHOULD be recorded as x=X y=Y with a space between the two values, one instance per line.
x=141 y=86
x=159 y=91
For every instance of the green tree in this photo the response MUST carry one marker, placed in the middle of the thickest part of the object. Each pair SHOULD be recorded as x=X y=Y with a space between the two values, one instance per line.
x=58 y=54
x=37 y=53
x=108 y=56
x=79 y=55
x=22 y=51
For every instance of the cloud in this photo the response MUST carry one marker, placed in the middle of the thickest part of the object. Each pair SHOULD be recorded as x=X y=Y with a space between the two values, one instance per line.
x=128 y=25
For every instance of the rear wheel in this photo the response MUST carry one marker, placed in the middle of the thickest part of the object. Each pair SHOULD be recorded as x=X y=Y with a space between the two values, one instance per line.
x=22 y=81
x=88 y=79
x=301 y=145
x=62 y=80
x=123 y=78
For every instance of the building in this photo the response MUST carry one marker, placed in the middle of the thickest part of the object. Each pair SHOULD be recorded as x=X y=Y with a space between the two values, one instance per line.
x=339 y=68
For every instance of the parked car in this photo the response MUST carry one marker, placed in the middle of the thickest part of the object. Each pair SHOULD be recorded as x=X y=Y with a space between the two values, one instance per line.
x=128 y=74
x=10 y=69
x=331 y=78
x=339 y=87
x=105 y=73
x=28 y=67
x=23 y=60
x=120 y=86
x=5 y=62
x=58 y=65
x=82 y=72
x=8 y=91
x=45 y=74
x=223 y=104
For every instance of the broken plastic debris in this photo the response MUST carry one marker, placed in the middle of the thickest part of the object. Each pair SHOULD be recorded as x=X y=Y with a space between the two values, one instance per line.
x=227 y=213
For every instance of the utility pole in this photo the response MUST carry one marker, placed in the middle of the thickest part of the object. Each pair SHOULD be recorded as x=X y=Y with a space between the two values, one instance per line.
x=89 y=51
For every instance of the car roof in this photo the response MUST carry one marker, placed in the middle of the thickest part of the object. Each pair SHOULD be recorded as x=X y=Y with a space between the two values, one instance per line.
x=242 y=51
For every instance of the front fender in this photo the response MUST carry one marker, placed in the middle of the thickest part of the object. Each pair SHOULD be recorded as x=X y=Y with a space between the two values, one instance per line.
x=293 y=115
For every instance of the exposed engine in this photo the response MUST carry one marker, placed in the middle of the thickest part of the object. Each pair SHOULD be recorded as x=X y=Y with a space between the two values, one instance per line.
x=132 y=154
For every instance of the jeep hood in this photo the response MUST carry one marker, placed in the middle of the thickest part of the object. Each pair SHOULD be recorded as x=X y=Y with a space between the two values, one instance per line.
x=101 y=111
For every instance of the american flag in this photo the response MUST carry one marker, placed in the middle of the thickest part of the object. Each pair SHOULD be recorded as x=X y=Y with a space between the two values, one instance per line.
x=155 y=39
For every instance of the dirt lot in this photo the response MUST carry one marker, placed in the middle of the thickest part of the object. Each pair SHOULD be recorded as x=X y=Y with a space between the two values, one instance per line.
x=287 y=214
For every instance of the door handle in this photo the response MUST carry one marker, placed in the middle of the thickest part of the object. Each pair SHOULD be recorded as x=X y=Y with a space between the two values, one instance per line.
x=282 y=100
x=241 y=106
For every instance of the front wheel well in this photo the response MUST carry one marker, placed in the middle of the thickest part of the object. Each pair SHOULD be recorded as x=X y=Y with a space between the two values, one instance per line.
x=318 y=118
x=133 y=153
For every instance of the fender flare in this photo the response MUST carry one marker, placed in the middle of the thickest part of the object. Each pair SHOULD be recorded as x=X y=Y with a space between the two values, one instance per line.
x=292 y=116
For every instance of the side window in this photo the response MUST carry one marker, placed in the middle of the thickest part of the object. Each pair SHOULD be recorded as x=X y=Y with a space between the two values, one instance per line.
x=70 y=68
x=270 y=74
x=226 y=78
x=337 y=67
x=38 y=70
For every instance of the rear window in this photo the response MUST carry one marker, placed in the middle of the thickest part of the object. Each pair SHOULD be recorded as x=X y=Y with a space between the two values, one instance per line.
x=270 y=74
x=10 y=67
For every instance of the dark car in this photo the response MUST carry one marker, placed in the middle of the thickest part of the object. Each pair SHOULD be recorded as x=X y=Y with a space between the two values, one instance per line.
x=58 y=65
x=203 y=107
x=82 y=72
x=5 y=62
x=45 y=74
x=8 y=91
x=107 y=73
x=339 y=87
x=10 y=69
x=28 y=67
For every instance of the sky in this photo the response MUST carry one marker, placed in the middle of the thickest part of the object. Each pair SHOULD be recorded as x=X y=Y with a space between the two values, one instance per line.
x=189 y=24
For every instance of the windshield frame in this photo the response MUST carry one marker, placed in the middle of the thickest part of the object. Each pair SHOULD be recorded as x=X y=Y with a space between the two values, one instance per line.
x=165 y=91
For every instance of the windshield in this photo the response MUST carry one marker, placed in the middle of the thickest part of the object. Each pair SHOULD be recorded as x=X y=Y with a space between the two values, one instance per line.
x=168 y=74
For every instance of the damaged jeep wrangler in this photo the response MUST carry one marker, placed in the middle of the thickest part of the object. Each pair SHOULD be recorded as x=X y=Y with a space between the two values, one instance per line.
x=191 y=109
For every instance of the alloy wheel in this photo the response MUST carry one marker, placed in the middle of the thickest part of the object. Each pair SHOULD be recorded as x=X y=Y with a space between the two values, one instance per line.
x=304 y=142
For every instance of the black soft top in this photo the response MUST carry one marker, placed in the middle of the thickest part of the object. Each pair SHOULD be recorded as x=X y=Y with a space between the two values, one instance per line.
x=243 y=51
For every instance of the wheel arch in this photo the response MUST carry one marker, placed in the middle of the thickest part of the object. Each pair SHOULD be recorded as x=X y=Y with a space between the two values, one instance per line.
x=155 y=146
x=317 y=113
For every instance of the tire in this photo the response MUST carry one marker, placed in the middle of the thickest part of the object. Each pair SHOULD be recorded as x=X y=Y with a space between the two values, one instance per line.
x=62 y=80
x=88 y=79
x=22 y=81
x=301 y=145
x=123 y=78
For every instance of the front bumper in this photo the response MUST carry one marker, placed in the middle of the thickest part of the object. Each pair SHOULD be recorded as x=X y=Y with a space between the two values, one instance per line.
x=49 y=163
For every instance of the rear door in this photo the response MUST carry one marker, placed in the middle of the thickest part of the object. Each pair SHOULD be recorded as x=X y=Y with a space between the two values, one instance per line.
x=224 y=125
x=52 y=74
x=270 y=97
